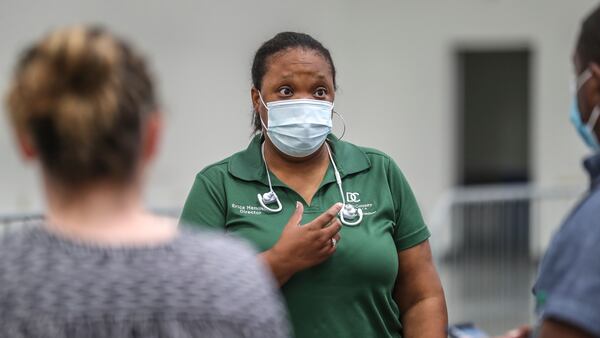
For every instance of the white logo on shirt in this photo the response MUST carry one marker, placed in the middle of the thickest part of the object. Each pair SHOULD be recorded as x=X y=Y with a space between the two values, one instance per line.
x=352 y=197
x=248 y=209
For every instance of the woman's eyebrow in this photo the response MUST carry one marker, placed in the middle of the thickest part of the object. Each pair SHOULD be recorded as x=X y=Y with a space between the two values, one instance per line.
x=291 y=75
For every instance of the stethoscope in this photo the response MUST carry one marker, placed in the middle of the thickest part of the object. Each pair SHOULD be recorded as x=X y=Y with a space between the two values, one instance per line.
x=349 y=215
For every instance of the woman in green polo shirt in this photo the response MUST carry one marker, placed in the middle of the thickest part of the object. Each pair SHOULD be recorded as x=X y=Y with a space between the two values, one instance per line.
x=360 y=265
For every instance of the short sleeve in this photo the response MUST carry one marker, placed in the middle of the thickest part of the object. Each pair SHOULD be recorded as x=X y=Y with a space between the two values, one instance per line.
x=410 y=228
x=575 y=295
x=205 y=204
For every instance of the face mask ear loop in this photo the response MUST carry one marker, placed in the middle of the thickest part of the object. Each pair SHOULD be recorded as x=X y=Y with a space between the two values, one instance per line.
x=265 y=128
x=261 y=120
x=343 y=123
x=593 y=120
x=583 y=78
x=262 y=101
x=270 y=196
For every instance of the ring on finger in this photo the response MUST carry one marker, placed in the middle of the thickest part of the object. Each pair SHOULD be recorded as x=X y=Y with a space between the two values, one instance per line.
x=333 y=242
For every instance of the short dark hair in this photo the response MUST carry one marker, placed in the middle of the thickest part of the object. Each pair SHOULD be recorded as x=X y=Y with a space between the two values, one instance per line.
x=281 y=42
x=588 y=43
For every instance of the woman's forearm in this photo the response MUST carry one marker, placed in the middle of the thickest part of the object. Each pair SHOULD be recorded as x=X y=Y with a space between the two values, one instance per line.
x=426 y=318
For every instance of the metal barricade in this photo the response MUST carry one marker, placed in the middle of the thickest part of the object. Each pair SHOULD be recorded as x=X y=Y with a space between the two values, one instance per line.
x=487 y=242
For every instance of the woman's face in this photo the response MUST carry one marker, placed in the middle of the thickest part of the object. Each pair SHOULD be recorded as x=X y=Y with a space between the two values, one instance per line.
x=296 y=73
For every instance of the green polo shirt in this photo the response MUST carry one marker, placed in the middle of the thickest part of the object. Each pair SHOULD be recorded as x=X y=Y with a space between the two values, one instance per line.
x=350 y=294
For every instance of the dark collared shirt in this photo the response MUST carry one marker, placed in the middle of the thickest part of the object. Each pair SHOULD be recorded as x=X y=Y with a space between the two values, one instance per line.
x=568 y=285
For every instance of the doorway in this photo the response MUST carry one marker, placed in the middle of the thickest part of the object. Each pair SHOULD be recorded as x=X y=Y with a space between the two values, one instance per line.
x=493 y=90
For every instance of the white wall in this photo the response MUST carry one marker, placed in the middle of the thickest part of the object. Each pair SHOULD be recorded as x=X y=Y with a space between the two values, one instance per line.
x=396 y=77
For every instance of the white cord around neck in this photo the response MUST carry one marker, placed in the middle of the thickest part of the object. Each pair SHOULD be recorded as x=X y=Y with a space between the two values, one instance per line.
x=347 y=211
x=270 y=196
x=338 y=178
x=262 y=153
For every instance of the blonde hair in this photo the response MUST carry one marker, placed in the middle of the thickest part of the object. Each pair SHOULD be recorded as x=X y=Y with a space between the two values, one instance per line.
x=81 y=94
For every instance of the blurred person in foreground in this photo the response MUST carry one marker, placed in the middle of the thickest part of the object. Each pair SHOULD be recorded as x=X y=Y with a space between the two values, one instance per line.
x=567 y=289
x=83 y=105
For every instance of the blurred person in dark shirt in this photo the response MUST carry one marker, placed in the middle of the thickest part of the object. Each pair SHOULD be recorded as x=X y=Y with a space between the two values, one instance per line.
x=567 y=289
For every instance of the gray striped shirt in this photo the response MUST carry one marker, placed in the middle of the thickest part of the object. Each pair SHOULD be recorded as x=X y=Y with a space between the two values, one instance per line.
x=197 y=285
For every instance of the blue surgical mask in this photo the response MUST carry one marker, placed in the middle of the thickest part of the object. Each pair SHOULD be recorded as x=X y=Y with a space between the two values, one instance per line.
x=586 y=131
x=298 y=128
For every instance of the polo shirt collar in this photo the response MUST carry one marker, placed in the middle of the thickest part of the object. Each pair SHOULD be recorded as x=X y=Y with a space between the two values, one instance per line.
x=348 y=158
x=248 y=165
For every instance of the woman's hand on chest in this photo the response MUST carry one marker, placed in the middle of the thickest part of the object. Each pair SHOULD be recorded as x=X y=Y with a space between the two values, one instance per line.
x=303 y=246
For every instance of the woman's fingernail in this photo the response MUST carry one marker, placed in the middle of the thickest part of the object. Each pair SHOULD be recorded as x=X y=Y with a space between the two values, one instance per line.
x=298 y=204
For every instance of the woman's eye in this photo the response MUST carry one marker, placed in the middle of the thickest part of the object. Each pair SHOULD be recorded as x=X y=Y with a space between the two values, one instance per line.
x=321 y=92
x=286 y=91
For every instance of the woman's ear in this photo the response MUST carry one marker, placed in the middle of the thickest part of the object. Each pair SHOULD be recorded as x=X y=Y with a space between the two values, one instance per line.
x=152 y=137
x=259 y=108
x=26 y=147
x=595 y=69
x=255 y=95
